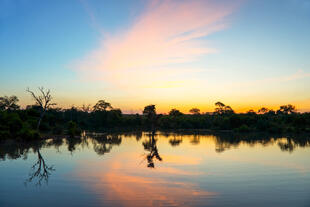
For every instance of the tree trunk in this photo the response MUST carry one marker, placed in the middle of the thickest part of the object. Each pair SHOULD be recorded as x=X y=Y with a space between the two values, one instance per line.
x=40 y=119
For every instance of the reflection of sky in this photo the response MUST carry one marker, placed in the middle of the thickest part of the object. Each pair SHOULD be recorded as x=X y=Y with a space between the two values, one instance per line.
x=190 y=174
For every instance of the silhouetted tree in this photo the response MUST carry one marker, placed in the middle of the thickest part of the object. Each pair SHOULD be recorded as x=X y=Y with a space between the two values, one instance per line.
x=251 y=112
x=43 y=100
x=150 y=113
x=195 y=111
x=287 y=109
x=228 y=110
x=222 y=109
x=101 y=105
x=9 y=103
x=86 y=108
x=263 y=110
x=175 y=112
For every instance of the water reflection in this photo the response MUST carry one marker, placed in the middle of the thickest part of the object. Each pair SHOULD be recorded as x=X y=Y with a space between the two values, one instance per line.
x=178 y=169
x=175 y=141
x=150 y=146
x=121 y=183
x=103 y=143
x=40 y=171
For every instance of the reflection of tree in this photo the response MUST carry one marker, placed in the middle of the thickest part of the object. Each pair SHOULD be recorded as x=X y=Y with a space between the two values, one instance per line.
x=195 y=139
x=286 y=143
x=225 y=141
x=73 y=142
x=222 y=146
x=104 y=143
x=40 y=171
x=57 y=143
x=175 y=141
x=290 y=144
x=11 y=149
x=138 y=135
x=150 y=145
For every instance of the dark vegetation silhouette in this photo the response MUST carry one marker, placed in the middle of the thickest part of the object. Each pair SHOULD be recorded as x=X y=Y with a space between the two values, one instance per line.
x=150 y=146
x=43 y=101
x=195 y=111
x=44 y=118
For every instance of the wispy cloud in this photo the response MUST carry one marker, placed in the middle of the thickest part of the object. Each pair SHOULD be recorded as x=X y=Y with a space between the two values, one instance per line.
x=92 y=16
x=165 y=34
x=299 y=74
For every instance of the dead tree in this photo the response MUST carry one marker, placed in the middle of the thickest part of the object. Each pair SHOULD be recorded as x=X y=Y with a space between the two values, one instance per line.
x=43 y=100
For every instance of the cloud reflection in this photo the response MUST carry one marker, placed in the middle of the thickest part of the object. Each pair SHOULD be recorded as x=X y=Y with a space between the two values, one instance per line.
x=122 y=180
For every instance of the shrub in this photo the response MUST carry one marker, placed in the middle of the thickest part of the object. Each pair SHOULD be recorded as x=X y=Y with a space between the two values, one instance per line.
x=243 y=128
x=73 y=129
x=5 y=134
x=58 y=130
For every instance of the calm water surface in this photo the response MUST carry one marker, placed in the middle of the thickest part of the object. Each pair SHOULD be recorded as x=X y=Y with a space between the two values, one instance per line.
x=138 y=169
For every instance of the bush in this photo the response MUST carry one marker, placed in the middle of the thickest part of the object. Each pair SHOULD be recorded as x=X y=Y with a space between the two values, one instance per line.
x=5 y=134
x=15 y=123
x=29 y=134
x=73 y=129
x=58 y=130
x=243 y=128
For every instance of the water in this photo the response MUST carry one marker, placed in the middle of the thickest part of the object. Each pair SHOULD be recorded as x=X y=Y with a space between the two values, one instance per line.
x=136 y=169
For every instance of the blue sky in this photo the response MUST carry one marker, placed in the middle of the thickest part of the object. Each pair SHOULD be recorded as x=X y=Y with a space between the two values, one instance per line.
x=256 y=54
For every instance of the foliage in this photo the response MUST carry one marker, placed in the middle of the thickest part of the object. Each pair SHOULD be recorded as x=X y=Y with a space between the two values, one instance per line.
x=9 y=103
x=101 y=105
x=73 y=129
x=175 y=112
x=195 y=111
x=22 y=123
x=223 y=109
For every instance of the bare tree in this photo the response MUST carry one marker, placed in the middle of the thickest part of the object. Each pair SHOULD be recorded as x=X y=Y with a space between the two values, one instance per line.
x=43 y=100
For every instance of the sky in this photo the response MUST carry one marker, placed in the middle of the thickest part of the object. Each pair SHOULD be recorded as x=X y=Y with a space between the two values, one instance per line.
x=171 y=53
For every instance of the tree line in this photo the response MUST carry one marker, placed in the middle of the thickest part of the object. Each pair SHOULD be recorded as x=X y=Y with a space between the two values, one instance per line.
x=44 y=117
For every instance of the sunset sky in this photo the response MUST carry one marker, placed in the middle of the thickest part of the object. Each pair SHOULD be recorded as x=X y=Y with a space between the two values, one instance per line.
x=172 y=53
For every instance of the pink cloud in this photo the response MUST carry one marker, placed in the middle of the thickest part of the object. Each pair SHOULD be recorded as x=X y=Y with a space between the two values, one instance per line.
x=167 y=32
